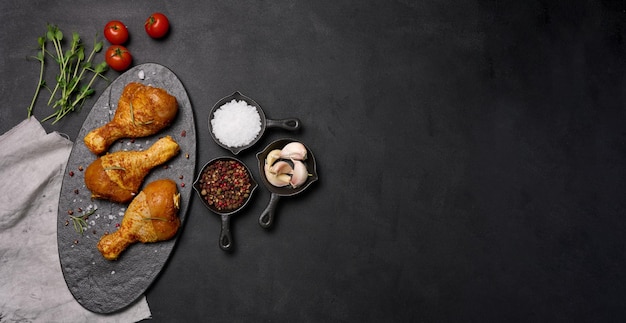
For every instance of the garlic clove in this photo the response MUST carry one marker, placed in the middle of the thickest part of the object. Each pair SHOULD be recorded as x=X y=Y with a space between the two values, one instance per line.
x=300 y=174
x=294 y=151
x=281 y=167
x=278 y=180
x=272 y=157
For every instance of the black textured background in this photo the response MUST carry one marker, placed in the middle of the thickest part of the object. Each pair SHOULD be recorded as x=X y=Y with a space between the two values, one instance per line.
x=470 y=153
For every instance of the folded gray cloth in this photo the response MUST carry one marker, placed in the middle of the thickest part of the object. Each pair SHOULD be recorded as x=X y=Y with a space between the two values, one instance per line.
x=32 y=287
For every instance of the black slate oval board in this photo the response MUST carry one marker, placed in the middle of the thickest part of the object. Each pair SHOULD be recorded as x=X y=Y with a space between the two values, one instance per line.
x=100 y=285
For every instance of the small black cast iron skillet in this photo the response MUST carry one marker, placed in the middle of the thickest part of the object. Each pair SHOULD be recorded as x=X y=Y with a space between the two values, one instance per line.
x=287 y=124
x=226 y=241
x=267 y=217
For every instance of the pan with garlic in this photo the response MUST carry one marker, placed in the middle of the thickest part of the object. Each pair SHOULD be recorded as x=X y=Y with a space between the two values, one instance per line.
x=284 y=167
x=287 y=168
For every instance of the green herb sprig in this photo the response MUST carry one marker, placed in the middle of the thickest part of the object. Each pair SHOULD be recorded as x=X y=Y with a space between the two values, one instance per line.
x=132 y=117
x=69 y=92
x=41 y=83
x=156 y=218
x=80 y=222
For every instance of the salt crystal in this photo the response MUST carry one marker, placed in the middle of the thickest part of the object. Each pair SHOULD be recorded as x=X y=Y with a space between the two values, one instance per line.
x=236 y=124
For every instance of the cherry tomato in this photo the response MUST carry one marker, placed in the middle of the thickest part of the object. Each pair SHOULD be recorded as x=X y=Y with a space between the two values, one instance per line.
x=116 y=32
x=118 y=58
x=157 y=25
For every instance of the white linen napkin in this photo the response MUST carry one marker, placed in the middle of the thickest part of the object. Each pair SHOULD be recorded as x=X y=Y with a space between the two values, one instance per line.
x=32 y=287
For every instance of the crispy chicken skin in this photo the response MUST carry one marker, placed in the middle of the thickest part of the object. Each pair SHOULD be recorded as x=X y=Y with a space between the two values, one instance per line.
x=152 y=216
x=141 y=111
x=117 y=176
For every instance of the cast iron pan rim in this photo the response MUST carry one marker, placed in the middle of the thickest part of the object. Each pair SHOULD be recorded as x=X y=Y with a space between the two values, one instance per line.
x=238 y=96
x=267 y=216
x=196 y=187
x=287 y=190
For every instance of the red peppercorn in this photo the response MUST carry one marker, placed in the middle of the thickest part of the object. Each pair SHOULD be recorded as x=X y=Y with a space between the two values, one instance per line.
x=225 y=185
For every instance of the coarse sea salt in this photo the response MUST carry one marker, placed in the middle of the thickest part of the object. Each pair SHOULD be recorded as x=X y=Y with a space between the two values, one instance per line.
x=236 y=124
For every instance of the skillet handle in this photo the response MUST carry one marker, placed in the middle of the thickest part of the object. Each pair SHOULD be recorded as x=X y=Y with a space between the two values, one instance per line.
x=267 y=217
x=287 y=124
x=226 y=239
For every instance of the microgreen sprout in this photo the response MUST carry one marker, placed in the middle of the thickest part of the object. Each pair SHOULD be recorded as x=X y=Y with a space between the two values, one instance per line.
x=41 y=58
x=69 y=92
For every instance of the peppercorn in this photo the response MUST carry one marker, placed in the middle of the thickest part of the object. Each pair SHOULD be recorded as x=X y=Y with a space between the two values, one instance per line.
x=225 y=185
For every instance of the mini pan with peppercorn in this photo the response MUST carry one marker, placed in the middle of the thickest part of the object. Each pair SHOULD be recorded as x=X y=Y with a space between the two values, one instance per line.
x=267 y=216
x=225 y=186
x=287 y=124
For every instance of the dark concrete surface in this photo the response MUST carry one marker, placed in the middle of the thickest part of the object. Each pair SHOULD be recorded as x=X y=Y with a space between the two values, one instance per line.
x=471 y=154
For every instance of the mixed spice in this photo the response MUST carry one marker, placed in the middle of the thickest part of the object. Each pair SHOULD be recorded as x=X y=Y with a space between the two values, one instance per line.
x=225 y=185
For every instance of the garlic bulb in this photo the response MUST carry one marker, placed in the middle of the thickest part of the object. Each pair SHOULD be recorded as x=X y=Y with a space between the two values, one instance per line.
x=299 y=174
x=294 y=151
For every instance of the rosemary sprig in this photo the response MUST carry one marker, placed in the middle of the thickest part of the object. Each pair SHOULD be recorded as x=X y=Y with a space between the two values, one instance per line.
x=132 y=117
x=155 y=218
x=80 y=222
x=115 y=168
x=132 y=113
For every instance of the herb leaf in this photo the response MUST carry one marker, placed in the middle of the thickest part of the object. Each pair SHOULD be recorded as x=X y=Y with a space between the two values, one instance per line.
x=69 y=92
x=80 y=222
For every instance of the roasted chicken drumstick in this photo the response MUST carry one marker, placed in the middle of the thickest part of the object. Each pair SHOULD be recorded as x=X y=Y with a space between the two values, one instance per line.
x=142 y=111
x=117 y=176
x=152 y=216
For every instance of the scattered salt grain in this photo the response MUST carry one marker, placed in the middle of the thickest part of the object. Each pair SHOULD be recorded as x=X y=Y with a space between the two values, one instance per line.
x=236 y=124
x=141 y=74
